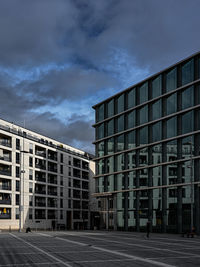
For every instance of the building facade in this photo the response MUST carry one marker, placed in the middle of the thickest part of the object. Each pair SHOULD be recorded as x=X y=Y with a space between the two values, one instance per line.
x=44 y=184
x=148 y=152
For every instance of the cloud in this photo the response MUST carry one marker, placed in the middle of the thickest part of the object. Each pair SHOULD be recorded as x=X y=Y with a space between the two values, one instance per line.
x=79 y=52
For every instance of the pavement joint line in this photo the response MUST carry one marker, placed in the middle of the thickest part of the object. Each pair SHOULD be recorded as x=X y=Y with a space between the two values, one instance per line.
x=27 y=264
x=41 y=250
x=136 y=258
x=142 y=246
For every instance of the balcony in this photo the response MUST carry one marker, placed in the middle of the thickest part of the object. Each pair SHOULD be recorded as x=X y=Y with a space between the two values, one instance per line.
x=5 y=184
x=77 y=163
x=40 y=176
x=39 y=189
x=5 y=213
x=5 y=140
x=5 y=170
x=40 y=164
x=52 y=167
x=5 y=155
x=5 y=199
x=52 y=179
x=40 y=151
x=52 y=155
x=52 y=203
x=52 y=191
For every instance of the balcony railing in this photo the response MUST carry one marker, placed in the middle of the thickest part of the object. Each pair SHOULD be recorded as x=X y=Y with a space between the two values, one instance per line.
x=5 y=201
x=42 y=192
x=39 y=166
x=5 y=143
x=40 y=179
x=5 y=172
x=41 y=153
x=5 y=158
x=5 y=187
x=5 y=216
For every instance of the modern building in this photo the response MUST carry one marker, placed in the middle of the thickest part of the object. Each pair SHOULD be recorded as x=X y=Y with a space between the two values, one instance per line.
x=148 y=152
x=43 y=183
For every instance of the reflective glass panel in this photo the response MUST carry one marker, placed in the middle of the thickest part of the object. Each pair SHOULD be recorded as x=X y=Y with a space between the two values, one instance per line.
x=172 y=127
x=187 y=122
x=131 y=140
x=171 y=80
x=119 y=162
x=156 y=110
x=120 y=142
x=131 y=119
x=110 y=164
x=110 y=127
x=188 y=72
x=100 y=149
x=131 y=98
x=110 y=183
x=156 y=132
x=144 y=114
x=110 y=108
x=120 y=123
x=100 y=113
x=120 y=103
x=100 y=130
x=188 y=97
x=156 y=86
x=143 y=93
x=171 y=104
x=143 y=132
x=110 y=146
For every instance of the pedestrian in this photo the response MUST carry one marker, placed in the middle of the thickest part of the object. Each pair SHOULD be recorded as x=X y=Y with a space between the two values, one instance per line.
x=148 y=228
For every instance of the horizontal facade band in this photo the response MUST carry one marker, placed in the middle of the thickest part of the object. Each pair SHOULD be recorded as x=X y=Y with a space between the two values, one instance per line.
x=112 y=193
x=149 y=123
x=148 y=167
x=196 y=82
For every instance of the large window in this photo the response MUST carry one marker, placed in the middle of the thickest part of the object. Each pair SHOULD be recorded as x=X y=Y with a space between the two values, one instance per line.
x=156 y=86
x=187 y=122
x=131 y=98
x=188 y=97
x=172 y=127
x=120 y=142
x=188 y=72
x=156 y=132
x=110 y=108
x=171 y=104
x=143 y=93
x=131 y=119
x=171 y=80
x=100 y=113
x=144 y=114
x=131 y=140
x=120 y=123
x=120 y=103
x=156 y=110
x=110 y=127
x=100 y=131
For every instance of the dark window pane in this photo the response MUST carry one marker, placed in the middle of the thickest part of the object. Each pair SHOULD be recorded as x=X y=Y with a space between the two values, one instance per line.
x=188 y=97
x=156 y=109
x=120 y=104
x=188 y=72
x=156 y=131
x=171 y=104
x=171 y=80
x=110 y=108
x=120 y=123
x=156 y=87
x=131 y=98
x=100 y=113
x=131 y=140
x=120 y=142
x=187 y=122
x=143 y=93
x=100 y=131
x=144 y=114
x=131 y=119
x=171 y=127
x=100 y=149
x=110 y=127
x=110 y=146
x=144 y=135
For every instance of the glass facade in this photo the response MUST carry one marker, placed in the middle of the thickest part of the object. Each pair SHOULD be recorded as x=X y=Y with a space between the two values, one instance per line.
x=148 y=153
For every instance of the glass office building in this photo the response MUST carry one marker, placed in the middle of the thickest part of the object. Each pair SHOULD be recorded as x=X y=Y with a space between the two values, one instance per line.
x=148 y=152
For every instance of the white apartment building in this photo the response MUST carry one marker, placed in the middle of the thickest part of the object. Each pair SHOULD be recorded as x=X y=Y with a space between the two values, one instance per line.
x=44 y=184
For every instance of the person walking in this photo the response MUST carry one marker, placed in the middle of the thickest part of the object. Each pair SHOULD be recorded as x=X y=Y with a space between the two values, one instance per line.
x=148 y=228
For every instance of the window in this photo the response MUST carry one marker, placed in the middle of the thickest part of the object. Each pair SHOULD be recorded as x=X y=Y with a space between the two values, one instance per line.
x=156 y=87
x=110 y=108
x=144 y=114
x=171 y=104
x=188 y=72
x=61 y=180
x=100 y=131
x=31 y=201
x=17 y=144
x=17 y=171
x=30 y=174
x=70 y=160
x=131 y=119
x=120 y=103
x=30 y=214
x=171 y=80
x=110 y=127
x=69 y=171
x=143 y=93
x=61 y=169
x=100 y=113
x=131 y=98
x=61 y=158
x=30 y=187
x=61 y=203
x=17 y=213
x=17 y=199
x=17 y=185
x=188 y=97
x=30 y=148
x=17 y=158
x=120 y=123
x=156 y=110
x=30 y=162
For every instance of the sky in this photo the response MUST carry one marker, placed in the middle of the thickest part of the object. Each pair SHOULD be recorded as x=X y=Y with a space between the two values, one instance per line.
x=58 y=58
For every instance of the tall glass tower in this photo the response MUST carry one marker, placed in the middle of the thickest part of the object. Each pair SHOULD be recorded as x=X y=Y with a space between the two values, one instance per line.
x=148 y=152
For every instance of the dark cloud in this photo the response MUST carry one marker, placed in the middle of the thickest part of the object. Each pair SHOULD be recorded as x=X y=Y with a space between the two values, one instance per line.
x=96 y=48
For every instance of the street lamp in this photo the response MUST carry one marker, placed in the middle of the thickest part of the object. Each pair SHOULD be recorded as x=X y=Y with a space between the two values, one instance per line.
x=22 y=171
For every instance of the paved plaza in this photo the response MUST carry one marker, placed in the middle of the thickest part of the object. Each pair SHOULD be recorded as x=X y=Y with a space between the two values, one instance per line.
x=97 y=248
